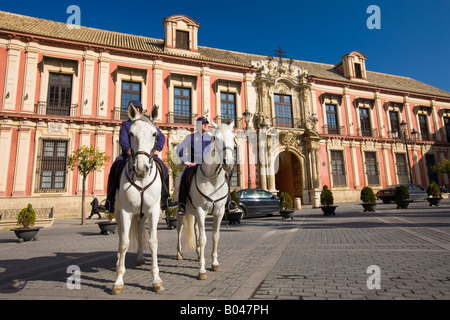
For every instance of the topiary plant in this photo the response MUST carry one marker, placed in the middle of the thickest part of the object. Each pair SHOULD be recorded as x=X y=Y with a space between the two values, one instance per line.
x=401 y=193
x=286 y=201
x=433 y=190
x=367 y=195
x=326 y=196
x=26 y=217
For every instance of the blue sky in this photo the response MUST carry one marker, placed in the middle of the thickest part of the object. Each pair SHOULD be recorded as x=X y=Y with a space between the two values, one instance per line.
x=414 y=39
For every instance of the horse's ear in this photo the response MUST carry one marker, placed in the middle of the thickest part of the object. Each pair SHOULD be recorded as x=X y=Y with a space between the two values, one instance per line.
x=154 y=113
x=131 y=111
x=231 y=125
x=214 y=125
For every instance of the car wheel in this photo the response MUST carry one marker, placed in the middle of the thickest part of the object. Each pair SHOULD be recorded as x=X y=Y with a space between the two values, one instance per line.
x=386 y=201
x=244 y=213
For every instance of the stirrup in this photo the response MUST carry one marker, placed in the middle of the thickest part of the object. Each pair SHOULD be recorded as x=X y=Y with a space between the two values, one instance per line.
x=181 y=209
x=232 y=206
x=171 y=203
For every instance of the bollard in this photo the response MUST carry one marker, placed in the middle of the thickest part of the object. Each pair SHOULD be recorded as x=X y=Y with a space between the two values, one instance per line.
x=298 y=203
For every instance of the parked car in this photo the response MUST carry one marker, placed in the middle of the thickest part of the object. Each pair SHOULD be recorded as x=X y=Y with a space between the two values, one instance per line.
x=258 y=202
x=415 y=192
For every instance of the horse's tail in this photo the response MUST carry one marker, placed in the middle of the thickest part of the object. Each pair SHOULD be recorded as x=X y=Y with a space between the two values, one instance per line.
x=137 y=231
x=189 y=234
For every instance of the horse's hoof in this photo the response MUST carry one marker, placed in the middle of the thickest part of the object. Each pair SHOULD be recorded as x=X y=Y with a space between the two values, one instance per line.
x=179 y=256
x=202 y=276
x=117 y=290
x=158 y=287
x=140 y=263
x=215 y=268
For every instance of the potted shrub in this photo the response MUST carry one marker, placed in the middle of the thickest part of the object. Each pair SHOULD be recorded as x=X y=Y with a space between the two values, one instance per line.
x=368 y=198
x=26 y=220
x=286 y=205
x=434 y=194
x=171 y=218
x=110 y=226
x=402 y=196
x=327 y=201
x=233 y=212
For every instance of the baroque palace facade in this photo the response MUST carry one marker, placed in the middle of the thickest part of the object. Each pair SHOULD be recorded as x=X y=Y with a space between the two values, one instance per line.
x=337 y=125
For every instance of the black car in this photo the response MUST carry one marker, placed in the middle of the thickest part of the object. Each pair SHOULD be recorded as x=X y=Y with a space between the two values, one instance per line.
x=415 y=192
x=258 y=202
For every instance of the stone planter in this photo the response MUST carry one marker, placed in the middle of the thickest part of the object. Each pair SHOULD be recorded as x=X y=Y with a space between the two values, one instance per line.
x=328 y=210
x=434 y=201
x=26 y=234
x=107 y=227
x=369 y=207
x=287 y=214
x=172 y=223
x=233 y=217
x=402 y=204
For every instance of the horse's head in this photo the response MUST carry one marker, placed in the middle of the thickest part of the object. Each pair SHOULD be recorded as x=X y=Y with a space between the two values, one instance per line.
x=143 y=135
x=223 y=140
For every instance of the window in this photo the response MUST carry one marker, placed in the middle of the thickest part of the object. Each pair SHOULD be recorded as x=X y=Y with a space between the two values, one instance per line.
x=130 y=91
x=234 y=180
x=283 y=111
x=331 y=119
x=371 y=168
x=364 y=121
x=433 y=176
x=423 y=125
x=447 y=127
x=182 y=40
x=358 y=72
x=182 y=106
x=395 y=125
x=59 y=94
x=52 y=165
x=402 y=169
x=337 y=168
x=228 y=107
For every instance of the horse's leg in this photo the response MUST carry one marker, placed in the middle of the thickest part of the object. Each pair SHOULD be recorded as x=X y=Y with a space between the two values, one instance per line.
x=216 y=236
x=141 y=238
x=197 y=239
x=200 y=222
x=180 y=220
x=153 y=241
x=124 y=243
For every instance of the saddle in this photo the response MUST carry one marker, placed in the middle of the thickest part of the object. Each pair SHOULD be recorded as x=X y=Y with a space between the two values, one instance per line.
x=121 y=165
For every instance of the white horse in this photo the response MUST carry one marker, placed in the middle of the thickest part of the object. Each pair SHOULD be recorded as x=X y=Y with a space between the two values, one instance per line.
x=138 y=197
x=208 y=193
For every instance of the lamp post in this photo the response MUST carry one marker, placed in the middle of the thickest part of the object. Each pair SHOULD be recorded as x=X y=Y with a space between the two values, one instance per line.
x=405 y=139
x=247 y=115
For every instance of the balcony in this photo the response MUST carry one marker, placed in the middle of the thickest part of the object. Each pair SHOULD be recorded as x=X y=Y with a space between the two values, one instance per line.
x=288 y=122
x=237 y=121
x=56 y=109
x=340 y=130
x=181 y=119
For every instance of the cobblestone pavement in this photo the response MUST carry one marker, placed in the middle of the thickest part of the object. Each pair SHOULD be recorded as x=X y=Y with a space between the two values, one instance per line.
x=309 y=257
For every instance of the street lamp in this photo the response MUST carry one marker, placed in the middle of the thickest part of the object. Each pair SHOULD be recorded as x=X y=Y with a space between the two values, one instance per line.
x=247 y=116
x=405 y=139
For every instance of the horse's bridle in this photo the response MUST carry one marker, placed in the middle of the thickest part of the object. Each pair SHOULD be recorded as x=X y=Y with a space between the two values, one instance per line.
x=130 y=179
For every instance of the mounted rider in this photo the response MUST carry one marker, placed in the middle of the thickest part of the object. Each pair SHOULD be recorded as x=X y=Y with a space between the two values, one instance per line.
x=117 y=166
x=191 y=151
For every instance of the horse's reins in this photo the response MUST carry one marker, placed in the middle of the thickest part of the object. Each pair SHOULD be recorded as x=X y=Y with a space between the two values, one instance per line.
x=208 y=197
x=130 y=179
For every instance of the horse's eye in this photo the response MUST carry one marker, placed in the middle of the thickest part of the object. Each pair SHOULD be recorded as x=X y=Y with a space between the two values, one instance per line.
x=131 y=134
x=154 y=134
